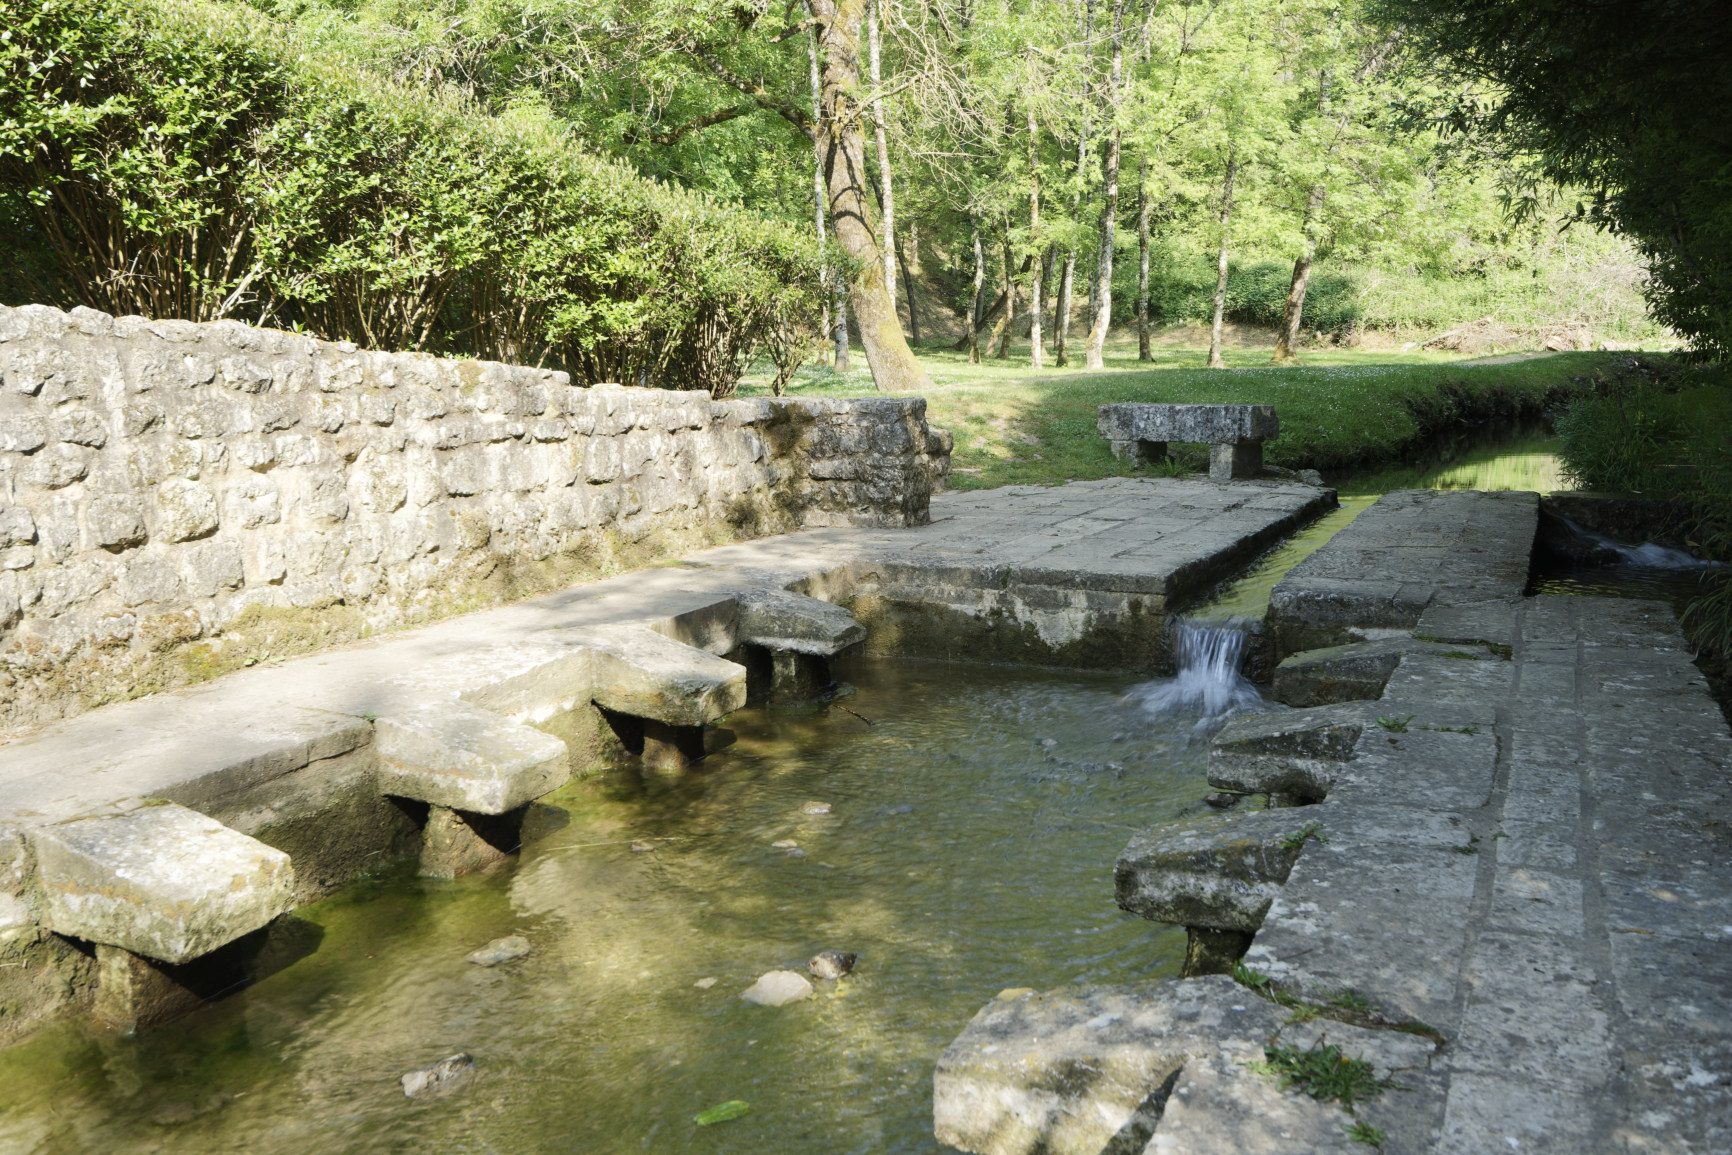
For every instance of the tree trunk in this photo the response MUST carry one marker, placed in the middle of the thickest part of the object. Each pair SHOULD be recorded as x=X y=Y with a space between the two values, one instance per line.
x=1103 y=293
x=1001 y=334
x=909 y=264
x=1215 y=361
x=1035 y=353
x=818 y=189
x=974 y=301
x=835 y=317
x=843 y=147
x=1293 y=314
x=1143 y=353
x=1061 y=312
x=886 y=196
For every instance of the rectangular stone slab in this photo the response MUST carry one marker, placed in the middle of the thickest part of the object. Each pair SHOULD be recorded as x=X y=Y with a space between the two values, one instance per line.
x=639 y=672
x=1219 y=871
x=457 y=755
x=778 y=620
x=161 y=881
x=1210 y=424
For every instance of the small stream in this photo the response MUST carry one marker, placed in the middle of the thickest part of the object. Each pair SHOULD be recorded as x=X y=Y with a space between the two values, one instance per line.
x=973 y=814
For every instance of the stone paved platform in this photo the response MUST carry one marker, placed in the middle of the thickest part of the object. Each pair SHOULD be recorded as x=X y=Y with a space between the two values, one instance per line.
x=1410 y=550
x=1528 y=861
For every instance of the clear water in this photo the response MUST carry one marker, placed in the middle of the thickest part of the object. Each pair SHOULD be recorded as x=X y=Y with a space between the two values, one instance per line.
x=970 y=846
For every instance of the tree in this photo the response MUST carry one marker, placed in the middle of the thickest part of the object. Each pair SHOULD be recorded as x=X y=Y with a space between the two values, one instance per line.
x=1624 y=99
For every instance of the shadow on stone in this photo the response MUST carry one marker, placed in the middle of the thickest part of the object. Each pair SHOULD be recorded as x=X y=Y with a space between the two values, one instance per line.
x=134 y=992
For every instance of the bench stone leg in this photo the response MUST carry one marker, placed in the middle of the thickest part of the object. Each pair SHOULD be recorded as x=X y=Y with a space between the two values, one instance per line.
x=1238 y=461
x=1140 y=452
x=457 y=842
x=797 y=677
x=672 y=748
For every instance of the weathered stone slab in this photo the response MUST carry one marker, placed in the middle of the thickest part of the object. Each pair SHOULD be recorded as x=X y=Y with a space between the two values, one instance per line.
x=1219 y=871
x=1219 y=1106
x=639 y=672
x=1209 y=424
x=1079 y=1072
x=454 y=754
x=160 y=881
x=1355 y=672
x=1410 y=550
x=1296 y=753
x=778 y=620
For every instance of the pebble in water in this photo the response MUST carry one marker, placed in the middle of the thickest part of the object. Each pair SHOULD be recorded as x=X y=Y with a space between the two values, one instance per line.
x=785 y=844
x=1222 y=801
x=500 y=950
x=438 y=1077
x=815 y=808
x=640 y=846
x=705 y=984
x=832 y=964
x=775 y=988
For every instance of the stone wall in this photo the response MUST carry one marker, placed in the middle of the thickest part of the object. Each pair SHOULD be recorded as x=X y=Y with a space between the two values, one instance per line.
x=180 y=499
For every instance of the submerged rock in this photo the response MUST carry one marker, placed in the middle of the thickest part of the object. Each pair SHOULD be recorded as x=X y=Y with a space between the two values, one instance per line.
x=785 y=844
x=500 y=950
x=1222 y=801
x=815 y=808
x=832 y=964
x=776 y=988
x=439 y=1077
x=641 y=847
x=705 y=984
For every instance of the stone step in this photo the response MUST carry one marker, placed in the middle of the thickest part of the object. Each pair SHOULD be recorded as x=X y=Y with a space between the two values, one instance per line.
x=638 y=672
x=1294 y=753
x=466 y=758
x=159 y=880
x=778 y=620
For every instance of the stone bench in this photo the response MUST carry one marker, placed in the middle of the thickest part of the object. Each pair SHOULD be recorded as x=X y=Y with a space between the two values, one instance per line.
x=1139 y=432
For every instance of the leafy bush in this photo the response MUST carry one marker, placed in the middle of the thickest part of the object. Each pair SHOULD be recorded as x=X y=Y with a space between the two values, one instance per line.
x=181 y=159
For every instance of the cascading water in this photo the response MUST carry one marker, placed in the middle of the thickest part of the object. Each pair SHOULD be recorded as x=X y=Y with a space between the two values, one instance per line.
x=1208 y=682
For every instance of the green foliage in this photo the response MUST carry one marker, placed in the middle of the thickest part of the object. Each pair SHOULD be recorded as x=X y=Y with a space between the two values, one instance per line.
x=1184 y=290
x=1250 y=977
x=1362 y=1132
x=1323 y=1073
x=1624 y=100
x=186 y=160
x=1396 y=725
x=1304 y=834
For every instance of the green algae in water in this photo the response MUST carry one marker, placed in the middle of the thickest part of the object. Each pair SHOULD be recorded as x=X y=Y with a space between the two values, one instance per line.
x=961 y=856
x=722 y=1112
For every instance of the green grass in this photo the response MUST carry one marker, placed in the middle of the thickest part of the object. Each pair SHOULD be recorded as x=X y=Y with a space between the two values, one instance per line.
x=1342 y=409
x=1323 y=1073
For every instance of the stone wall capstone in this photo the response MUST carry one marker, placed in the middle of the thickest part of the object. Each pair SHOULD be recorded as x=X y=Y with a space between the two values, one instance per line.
x=179 y=499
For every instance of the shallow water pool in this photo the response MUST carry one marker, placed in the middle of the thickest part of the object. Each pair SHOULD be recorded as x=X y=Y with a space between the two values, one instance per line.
x=969 y=848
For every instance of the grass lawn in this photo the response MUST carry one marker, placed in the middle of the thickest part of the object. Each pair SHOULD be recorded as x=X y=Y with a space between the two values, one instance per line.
x=1340 y=409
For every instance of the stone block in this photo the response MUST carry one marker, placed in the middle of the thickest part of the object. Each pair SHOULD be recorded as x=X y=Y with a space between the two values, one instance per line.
x=1086 y=1070
x=639 y=672
x=1356 y=672
x=160 y=881
x=457 y=755
x=1295 y=753
x=1218 y=871
x=185 y=510
x=1208 y=424
x=778 y=620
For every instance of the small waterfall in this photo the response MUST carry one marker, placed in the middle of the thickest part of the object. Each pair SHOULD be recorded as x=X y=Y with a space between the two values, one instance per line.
x=1208 y=682
x=1604 y=550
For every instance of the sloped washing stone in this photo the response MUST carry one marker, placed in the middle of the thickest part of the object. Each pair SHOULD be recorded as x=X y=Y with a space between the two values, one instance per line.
x=160 y=881
x=778 y=620
x=456 y=755
x=639 y=672
x=1219 y=871
x=1086 y=1070
x=1296 y=753
x=1355 y=672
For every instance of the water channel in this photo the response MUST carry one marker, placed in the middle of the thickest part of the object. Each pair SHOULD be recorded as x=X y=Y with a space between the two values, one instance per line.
x=973 y=816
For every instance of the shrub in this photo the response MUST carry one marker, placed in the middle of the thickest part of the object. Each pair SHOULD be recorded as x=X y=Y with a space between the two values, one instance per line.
x=1183 y=289
x=181 y=159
